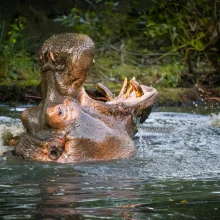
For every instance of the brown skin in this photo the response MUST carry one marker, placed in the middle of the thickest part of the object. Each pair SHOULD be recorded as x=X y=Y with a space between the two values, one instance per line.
x=68 y=125
x=88 y=137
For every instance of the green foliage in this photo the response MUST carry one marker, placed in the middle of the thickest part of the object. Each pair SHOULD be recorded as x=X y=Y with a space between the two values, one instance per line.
x=187 y=29
x=14 y=34
x=189 y=25
x=102 y=20
x=17 y=66
x=166 y=75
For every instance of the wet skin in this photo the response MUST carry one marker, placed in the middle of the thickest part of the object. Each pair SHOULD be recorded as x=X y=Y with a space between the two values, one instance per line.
x=69 y=126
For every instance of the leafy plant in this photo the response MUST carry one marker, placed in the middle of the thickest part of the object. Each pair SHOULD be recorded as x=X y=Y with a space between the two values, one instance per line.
x=13 y=36
x=187 y=30
x=102 y=20
x=16 y=64
x=191 y=26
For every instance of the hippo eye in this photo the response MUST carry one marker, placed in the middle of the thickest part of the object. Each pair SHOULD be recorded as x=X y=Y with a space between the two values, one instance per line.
x=60 y=112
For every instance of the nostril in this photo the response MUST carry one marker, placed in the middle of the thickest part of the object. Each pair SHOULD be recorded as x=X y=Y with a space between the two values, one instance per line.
x=60 y=111
x=54 y=152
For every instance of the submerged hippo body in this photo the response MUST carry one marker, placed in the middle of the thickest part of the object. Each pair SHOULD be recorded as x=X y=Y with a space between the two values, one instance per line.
x=70 y=126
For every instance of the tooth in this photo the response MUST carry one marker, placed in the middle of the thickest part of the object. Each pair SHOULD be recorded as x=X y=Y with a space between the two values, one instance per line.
x=123 y=89
x=130 y=89
x=137 y=88
x=106 y=92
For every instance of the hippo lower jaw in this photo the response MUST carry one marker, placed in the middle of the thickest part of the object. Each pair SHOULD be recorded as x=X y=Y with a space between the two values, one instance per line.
x=67 y=157
x=74 y=150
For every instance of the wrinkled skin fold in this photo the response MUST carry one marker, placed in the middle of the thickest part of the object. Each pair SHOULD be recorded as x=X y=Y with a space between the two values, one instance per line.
x=68 y=125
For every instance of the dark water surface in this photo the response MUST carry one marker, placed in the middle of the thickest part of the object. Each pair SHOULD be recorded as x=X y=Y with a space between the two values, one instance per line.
x=175 y=175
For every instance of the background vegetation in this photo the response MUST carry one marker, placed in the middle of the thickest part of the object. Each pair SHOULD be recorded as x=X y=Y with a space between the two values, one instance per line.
x=173 y=43
x=16 y=65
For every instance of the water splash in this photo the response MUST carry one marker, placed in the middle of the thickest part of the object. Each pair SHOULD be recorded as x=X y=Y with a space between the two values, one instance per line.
x=175 y=174
x=169 y=145
x=11 y=125
x=215 y=120
x=187 y=146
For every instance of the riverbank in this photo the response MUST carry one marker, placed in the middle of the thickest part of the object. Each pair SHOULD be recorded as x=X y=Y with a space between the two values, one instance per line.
x=167 y=96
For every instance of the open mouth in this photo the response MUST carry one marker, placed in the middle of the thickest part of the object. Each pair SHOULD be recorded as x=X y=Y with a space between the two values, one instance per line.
x=130 y=93
x=132 y=98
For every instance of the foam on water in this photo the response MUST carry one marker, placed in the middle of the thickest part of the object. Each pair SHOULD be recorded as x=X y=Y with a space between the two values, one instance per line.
x=215 y=121
x=188 y=145
x=170 y=145
x=18 y=109
x=12 y=125
x=175 y=174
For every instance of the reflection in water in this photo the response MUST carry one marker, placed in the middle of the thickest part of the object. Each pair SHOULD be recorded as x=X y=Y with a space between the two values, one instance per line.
x=94 y=198
x=175 y=175
x=51 y=192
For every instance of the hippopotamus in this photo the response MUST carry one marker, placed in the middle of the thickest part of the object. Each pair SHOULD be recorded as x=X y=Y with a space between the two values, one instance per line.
x=71 y=126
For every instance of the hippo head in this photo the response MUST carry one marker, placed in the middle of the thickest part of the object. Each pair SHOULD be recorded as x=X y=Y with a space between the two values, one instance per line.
x=69 y=125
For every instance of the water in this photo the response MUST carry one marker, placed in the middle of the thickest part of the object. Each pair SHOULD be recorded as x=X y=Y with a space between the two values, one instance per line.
x=175 y=175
